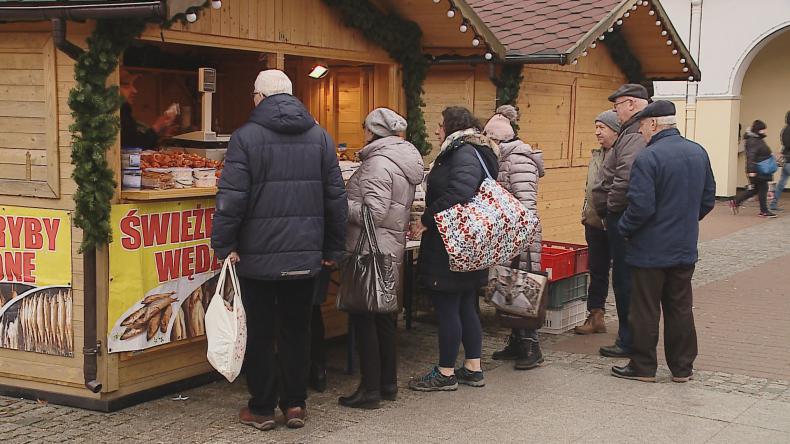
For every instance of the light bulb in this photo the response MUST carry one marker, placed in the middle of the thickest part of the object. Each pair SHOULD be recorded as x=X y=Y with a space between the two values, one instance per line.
x=593 y=45
x=463 y=27
x=601 y=38
x=476 y=41
x=619 y=22
x=574 y=62
x=633 y=8
x=216 y=4
x=669 y=42
x=488 y=56
x=685 y=69
x=658 y=22
x=691 y=78
x=682 y=61
x=436 y=2
x=451 y=13
x=584 y=53
x=191 y=17
x=610 y=30
x=627 y=14
x=674 y=52
x=652 y=12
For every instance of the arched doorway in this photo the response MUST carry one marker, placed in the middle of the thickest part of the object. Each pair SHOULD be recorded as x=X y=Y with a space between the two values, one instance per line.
x=765 y=89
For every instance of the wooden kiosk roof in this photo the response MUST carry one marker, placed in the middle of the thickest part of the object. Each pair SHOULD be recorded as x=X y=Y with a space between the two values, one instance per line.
x=541 y=31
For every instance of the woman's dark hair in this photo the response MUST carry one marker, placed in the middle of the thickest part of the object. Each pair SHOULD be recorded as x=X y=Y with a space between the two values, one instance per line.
x=758 y=125
x=457 y=118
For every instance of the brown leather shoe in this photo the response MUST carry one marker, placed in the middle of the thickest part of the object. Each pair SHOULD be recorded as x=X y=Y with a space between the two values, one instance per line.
x=260 y=422
x=295 y=417
x=594 y=323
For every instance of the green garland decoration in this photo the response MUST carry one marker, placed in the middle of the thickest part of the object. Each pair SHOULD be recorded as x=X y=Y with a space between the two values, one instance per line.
x=508 y=86
x=402 y=39
x=94 y=107
x=623 y=57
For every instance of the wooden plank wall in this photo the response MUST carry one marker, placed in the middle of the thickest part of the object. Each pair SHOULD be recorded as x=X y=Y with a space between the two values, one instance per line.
x=61 y=371
x=558 y=105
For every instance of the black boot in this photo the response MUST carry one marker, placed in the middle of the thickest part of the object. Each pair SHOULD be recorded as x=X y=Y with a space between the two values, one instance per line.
x=317 y=378
x=510 y=352
x=361 y=399
x=389 y=392
x=530 y=355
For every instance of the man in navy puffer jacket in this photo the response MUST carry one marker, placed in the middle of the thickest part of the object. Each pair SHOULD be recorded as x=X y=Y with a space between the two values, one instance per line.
x=672 y=188
x=281 y=216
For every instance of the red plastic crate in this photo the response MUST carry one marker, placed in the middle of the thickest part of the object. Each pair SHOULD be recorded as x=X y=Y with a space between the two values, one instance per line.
x=558 y=262
x=563 y=259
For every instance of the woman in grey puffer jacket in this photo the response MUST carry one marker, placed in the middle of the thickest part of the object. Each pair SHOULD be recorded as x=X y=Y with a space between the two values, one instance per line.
x=520 y=167
x=385 y=183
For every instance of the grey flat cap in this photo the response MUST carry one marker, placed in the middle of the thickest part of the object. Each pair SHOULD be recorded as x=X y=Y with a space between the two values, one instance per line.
x=630 y=90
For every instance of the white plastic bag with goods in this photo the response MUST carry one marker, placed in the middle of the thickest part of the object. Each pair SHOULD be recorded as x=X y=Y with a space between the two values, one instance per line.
x=226 y=325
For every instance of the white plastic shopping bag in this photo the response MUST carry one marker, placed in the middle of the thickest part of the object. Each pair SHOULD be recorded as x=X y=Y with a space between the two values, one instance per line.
x=226 y=325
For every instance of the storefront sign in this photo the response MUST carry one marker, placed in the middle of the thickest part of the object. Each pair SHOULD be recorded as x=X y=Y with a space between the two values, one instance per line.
x=163 y=273
x=35 y=281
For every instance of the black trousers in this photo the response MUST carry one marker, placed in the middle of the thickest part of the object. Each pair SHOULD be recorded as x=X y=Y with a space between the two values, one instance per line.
x=600 y=262
x=668 y=290
x=277 y=311
x=459 y=322
x=375 y=337
x=317 y=352
x=760 y=188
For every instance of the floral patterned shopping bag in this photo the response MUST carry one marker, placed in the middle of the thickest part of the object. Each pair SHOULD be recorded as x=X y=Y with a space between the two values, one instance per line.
x=490 y=229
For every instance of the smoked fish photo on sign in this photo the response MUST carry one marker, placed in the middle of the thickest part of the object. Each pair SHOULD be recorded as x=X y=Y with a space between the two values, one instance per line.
x=163 y=273
x=36 y=303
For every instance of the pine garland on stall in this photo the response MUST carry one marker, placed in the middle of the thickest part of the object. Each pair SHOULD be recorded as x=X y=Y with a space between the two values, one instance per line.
x=623 y=57
x=401 y=39
x=94 y=108
x=508 y=86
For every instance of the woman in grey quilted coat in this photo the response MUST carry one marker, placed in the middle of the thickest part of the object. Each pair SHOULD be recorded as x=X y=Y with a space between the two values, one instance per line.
x=520 y=168
x=385 y=182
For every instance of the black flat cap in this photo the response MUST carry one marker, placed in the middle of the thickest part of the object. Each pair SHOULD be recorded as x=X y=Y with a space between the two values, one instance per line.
x=630 y=90
x=659 y=108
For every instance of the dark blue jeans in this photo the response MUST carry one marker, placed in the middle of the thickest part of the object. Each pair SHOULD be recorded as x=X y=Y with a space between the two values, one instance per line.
x=599 y=262
x=621 y=279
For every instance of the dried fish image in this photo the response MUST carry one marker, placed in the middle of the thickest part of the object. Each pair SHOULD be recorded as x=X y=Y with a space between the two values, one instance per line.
x=179 y=331
x=10 y=290
x=148 y=318
x=40 y=321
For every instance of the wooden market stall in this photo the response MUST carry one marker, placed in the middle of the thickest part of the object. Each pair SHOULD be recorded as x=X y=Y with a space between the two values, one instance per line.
x=69 y=330
x=160 y=253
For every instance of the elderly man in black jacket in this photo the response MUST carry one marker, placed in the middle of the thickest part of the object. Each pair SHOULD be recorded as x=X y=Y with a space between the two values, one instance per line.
x=672 y=188
x=281 y=217
x=609 y=200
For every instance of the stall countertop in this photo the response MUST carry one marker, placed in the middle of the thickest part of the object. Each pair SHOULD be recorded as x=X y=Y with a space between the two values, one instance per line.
x=175 y=193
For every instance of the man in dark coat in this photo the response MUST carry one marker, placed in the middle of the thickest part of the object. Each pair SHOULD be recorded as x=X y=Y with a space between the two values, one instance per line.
x=672 y=188
x=610 y=201
x=281 y=216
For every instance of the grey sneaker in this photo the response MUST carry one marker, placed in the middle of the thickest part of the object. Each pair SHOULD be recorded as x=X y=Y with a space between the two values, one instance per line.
x=470 y=378
x=434 y=381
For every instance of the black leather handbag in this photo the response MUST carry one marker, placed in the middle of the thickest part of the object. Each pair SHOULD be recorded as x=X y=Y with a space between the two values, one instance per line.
x=368 y=276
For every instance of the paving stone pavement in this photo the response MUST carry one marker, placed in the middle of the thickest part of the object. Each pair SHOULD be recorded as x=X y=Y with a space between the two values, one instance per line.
x=579 y=396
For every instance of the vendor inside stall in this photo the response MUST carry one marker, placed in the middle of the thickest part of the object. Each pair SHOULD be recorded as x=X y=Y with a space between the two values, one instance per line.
x=137 y=134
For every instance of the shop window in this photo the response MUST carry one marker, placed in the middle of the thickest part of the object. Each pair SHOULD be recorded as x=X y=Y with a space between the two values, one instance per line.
x=29 y=159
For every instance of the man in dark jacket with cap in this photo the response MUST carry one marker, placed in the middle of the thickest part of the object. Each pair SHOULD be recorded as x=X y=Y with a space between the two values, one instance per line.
x=609 y=200
x=281 y=216
x=672 y=188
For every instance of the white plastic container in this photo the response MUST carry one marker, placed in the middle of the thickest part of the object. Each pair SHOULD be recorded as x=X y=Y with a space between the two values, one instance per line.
x=132 y=179
x=130 y=158
x=205 y=177
x=182 y=177
x=561 y=320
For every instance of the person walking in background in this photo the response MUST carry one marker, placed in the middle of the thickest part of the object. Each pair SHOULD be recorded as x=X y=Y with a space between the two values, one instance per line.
x=756 y=151
x=385 y=182
x=456 y=177
x=610 y=201
x=607 y=128
x=279 y=245
x=672 y=188
x=520 y=167
x=785 y=172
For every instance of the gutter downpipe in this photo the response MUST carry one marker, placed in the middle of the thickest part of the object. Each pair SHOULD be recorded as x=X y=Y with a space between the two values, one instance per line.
x=534 y=59
x=692 y=88
x=58 y=15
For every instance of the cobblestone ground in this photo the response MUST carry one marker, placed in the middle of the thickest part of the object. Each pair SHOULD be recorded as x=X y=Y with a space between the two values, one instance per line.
x=208 y=414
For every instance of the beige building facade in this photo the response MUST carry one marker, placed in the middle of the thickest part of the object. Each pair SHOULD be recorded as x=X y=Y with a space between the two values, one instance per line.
x=744 y=54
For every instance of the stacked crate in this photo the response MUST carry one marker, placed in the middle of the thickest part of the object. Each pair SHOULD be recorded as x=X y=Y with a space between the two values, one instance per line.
x=566 y=265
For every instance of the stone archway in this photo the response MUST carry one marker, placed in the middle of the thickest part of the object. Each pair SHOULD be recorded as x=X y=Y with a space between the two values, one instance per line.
x=763 y=81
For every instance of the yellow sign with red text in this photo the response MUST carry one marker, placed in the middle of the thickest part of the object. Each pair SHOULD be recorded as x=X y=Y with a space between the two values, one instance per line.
x=35 y=281
x=162 y=273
